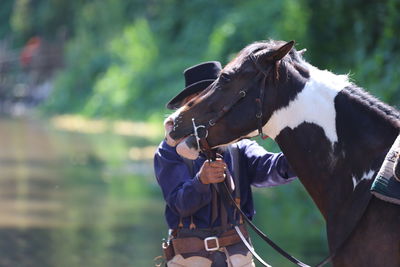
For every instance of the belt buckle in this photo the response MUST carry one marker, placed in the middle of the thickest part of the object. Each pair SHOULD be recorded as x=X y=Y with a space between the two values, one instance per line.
x=211 y=238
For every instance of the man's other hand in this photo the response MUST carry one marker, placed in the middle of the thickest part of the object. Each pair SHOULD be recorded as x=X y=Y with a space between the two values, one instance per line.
x=212 y=172
x=168 y=126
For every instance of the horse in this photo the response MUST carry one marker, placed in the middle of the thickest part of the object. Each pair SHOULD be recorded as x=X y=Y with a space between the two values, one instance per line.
x=333 y=133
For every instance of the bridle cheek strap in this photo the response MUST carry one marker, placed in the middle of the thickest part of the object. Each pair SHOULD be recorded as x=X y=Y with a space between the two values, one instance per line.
x=259 y=100
x=202 y=139
x=227 y=107
x=259 y=118
x=242 y=94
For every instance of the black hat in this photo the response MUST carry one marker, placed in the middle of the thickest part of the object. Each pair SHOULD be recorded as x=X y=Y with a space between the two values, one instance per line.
x=197 y=78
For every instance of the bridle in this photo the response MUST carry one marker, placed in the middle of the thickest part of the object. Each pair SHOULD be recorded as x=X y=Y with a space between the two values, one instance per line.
x=201 y=131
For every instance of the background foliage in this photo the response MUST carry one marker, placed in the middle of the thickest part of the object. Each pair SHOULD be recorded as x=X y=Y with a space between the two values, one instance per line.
x=125 y=58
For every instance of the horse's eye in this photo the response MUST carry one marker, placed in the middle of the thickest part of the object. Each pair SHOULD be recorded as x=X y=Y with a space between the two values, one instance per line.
x=225 y=78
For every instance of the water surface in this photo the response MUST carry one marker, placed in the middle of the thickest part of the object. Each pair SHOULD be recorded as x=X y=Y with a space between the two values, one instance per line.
x=64 y=203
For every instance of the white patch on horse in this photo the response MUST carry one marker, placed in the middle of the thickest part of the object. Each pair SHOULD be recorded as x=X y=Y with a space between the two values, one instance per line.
x=314 y=104
x=355 y=182
x=368 y=175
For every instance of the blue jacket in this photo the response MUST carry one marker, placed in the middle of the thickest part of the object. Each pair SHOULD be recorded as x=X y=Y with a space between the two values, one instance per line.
x=186 y=196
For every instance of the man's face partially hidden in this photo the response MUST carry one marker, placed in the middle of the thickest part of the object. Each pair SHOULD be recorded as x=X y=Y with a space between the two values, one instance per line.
x=169 y=122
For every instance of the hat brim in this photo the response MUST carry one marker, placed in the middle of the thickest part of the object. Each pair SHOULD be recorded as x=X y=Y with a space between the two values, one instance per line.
x=175 y=102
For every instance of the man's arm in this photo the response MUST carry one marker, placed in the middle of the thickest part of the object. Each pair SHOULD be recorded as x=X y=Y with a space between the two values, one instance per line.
x=183 y=193
x=265 y=168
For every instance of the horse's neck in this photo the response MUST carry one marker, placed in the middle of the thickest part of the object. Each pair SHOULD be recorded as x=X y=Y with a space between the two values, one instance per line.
x=330 y=138
x=366 y=128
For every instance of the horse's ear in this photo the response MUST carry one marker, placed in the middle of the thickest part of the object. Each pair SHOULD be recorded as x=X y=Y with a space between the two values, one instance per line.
x=282 y=51
x=277 y=54
x=302 y=51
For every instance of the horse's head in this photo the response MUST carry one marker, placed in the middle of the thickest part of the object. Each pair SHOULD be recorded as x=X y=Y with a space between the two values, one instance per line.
x=254 y=84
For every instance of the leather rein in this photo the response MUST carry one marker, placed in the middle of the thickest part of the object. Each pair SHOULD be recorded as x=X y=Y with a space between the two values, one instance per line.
x=201 y=133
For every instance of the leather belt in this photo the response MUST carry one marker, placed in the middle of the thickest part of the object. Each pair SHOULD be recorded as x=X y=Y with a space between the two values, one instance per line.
x=212 y=243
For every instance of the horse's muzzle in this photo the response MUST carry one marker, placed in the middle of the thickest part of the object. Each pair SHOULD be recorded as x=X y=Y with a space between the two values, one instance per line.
x=187 y=148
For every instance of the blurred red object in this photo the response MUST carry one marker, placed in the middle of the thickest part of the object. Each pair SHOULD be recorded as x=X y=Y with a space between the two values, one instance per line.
x=29 y=50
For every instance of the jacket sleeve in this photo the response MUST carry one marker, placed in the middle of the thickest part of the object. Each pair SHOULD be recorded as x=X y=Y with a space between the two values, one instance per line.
x=183 y=193
x=264 y=168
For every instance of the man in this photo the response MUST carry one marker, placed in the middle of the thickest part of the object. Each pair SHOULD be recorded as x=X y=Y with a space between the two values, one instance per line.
x=200 y=222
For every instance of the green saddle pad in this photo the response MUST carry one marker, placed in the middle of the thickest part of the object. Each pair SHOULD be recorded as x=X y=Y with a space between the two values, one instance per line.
x=387 y=189
x=386 y=186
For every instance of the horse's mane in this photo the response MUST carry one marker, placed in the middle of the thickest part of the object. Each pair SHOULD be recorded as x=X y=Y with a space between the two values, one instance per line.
x=383 y=110
x=271 y=45
x=294 y=58
x=252 y=48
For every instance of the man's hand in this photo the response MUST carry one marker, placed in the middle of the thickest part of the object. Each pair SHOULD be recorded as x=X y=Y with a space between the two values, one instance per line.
x=168 y=126
x=212 y=172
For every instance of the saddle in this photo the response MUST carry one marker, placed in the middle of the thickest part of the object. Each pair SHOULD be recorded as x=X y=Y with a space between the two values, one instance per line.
x=387 y=182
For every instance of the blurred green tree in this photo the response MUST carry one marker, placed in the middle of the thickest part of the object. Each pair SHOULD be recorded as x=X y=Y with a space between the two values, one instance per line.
x=140 y=48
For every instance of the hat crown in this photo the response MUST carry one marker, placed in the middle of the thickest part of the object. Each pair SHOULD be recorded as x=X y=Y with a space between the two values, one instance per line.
x=197 y=78
x=204 y=71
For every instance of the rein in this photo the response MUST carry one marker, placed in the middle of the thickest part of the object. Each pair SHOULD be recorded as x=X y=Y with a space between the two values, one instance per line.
x=200 y=133
x=227 y=197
